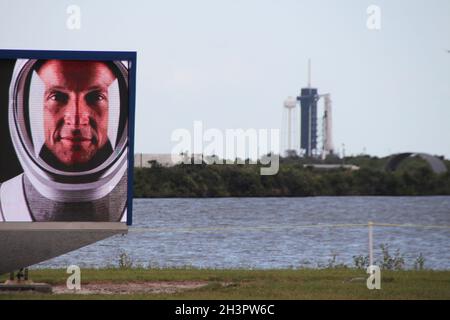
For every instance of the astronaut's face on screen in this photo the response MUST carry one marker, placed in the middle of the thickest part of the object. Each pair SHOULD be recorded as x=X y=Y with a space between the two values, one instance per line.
x=68 y=124
x=76 y=108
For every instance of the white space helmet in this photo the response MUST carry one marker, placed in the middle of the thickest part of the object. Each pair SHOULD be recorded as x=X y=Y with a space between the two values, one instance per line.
x=26 y=124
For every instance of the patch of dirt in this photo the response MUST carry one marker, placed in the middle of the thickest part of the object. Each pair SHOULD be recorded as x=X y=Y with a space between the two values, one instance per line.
x=156 y=287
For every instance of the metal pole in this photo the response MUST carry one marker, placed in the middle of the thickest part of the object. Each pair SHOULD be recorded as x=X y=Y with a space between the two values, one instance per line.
x=343 y=154
x=309 y=73
x=370 y=243
x=289 y=129
x=324 y=131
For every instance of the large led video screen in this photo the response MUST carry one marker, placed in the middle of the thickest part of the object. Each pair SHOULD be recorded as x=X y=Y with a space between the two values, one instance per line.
x=66 y=136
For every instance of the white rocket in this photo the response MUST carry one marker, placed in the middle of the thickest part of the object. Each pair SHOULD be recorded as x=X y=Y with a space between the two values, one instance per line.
x=327 y=146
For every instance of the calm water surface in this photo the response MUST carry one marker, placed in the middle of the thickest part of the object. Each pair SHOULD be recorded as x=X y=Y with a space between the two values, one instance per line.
x=269 y=232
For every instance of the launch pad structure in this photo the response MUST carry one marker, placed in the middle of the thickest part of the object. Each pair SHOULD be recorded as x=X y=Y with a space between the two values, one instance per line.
x=308 y=101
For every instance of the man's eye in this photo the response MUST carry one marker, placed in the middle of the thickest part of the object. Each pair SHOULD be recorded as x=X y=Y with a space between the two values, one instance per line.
x=58 y=97
x=95 y=97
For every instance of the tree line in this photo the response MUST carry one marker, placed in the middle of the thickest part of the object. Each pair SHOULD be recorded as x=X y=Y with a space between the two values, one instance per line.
x=412 y=178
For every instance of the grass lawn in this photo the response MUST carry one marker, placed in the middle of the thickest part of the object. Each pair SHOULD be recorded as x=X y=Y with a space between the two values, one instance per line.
x=252 y=284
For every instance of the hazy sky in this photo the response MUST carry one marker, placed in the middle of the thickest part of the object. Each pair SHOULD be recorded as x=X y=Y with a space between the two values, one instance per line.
x=232 y=63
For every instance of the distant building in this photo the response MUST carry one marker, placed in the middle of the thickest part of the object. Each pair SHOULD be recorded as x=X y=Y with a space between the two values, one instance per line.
x=332 y=166
x=436 y=164
x=144 y=160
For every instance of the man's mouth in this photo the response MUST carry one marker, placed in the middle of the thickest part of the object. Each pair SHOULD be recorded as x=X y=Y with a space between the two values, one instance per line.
x=75 y=137
x=76 y=140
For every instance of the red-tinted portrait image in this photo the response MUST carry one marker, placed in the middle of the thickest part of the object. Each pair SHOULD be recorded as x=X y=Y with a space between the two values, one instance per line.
x=68 y=124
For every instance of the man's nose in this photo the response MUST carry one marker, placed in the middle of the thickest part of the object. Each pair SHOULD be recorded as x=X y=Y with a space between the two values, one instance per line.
x=76 y=112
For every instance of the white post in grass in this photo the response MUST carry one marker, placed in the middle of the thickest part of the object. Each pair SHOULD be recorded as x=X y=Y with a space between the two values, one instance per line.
x=370 y=244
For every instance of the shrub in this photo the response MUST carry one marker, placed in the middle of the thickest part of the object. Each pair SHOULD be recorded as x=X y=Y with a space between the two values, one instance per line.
x=389 y=262
x=125 y=261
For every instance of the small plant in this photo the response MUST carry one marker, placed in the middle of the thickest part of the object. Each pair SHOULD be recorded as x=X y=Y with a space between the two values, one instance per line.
x=389 y=262
x=332 y=263
x=361 y=262
x=125 y=261
x=419 y=263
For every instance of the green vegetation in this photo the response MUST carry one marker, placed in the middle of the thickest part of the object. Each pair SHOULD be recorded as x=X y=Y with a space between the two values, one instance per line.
x=330 y=283
x=413 y=177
